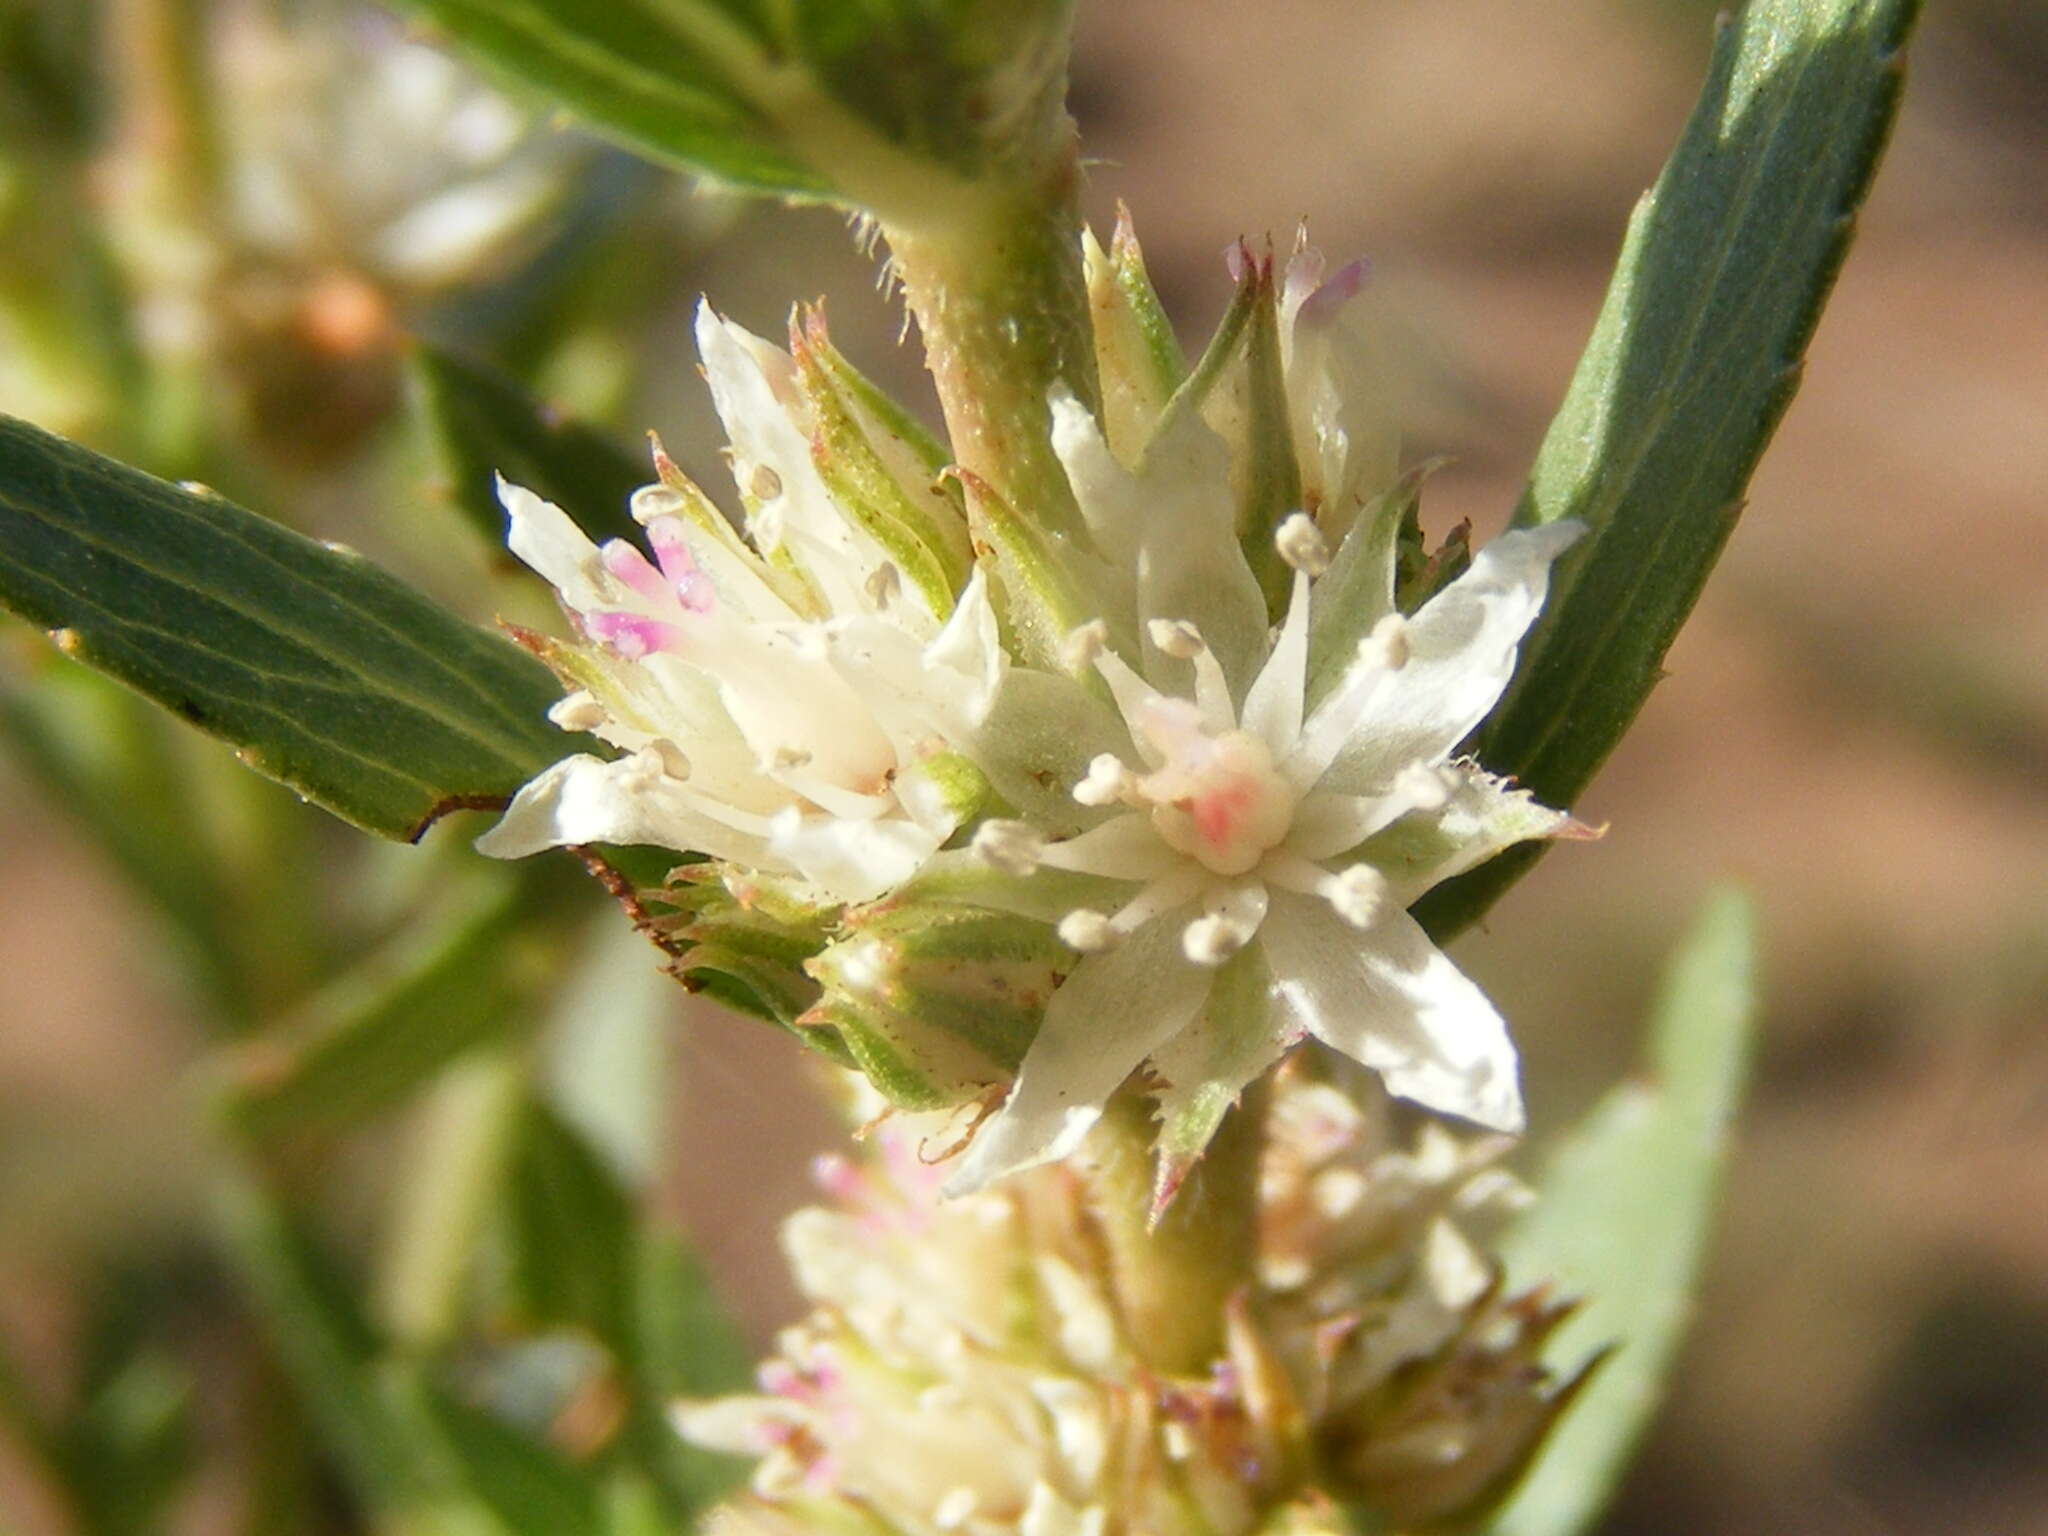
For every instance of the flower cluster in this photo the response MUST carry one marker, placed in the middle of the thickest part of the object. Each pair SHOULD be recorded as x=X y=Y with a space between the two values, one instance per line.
x=1187 y=761
x=967 y=1367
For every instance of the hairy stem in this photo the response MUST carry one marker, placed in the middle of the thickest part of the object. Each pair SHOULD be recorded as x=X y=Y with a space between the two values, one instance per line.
x=996 y=285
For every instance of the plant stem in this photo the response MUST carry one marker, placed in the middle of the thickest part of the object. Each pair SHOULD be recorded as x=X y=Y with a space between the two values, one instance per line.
x=1175 y=1277
x=996 y=284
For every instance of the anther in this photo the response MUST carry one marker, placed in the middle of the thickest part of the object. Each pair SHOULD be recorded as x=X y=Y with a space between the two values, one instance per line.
x=1301 y=544
x=1387 y=645
x=1359 y=894
x=673 y=763
x=1423 y=787
x=788 y=758
x=1176 y=637
x=1088 y=931
x=764 y=483
x=1083 y=644
x=578 y=711
x=1107 y=781
x=883 y=586
x=1010 y=846
x=1212 y=940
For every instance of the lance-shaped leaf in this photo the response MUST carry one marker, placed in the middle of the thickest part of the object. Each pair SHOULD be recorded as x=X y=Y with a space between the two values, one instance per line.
x=329 y=674
x=1696 y=354
x=1623 y=1215
x=811 y=99
x=485 y=425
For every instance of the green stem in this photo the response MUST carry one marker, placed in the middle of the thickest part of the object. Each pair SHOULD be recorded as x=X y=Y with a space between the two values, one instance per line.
x=996 y=284
x=1175 y=1277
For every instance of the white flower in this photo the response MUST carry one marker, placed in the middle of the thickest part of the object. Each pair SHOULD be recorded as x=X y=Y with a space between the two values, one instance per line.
x=968 y=1366
x=790 y=709
x=1268 y=809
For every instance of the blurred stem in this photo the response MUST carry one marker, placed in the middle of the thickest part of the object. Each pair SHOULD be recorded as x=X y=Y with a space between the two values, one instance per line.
x=463 y=1148
x=1175 y=1278
x=997 y=287
x=170 y=97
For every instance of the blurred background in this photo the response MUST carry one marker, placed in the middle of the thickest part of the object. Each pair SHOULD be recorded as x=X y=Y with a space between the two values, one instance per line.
x=1855 y=722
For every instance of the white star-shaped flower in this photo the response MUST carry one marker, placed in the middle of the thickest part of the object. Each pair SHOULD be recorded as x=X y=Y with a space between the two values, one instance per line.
x=1269 y=808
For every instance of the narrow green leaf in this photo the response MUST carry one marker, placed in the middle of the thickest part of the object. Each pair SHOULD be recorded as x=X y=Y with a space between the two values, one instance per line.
x=325 y=1344
x=530 y=1487
x=672 y=78
x=456 y=1164
x=1696 y=354
x=327 y=673
x=1623 y=1216
x=375 y=1036
x=485 y=426
x=570 y=1231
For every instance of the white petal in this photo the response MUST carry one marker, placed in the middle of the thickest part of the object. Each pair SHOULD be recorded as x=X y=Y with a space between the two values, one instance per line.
x=1102 y=486
x=968 y=659
x=1483 y=816
x=585 y=799
x=1326 y=825
x=1190 y=566
x=1391 y=1000
x=852 y=861
x=753 y=386
x=547 y=539
x=1203 y=1069
x=1102 y=1021
x=1037 y=741
x=1123 y=848
x=1462 y=647
x=1272 y=709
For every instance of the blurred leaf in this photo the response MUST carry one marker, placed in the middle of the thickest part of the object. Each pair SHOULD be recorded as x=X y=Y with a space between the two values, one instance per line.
x=458 y=1159
x=485 y=426
x=379 y=1033
x=51 y=97
x=324 y=1342
x=1623 y=1215
x=811 y=99
x=583 y=1256
x=328 y=673
x=685 y=1344
x=531 y=1487
x=570 y=1230
x=1696 y=354
x=669 y=77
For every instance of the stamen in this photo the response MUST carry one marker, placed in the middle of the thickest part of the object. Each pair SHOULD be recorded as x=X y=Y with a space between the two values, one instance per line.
x=865 y=968
x=1108 y=781
x=1387 y=645
x=1423 y=787
x=1213 y=939
x=673 y=763
x=1087 y=930
x=630 y=636
x=1359 y=894
x=764 y=483
x=1301 y=544
x=883 y=586
x=692 y=588
x=1176 y=637
x=1013 y=847
x=955 y=1509
x=643 y=771
x=578 y=711
x=1083 y=644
